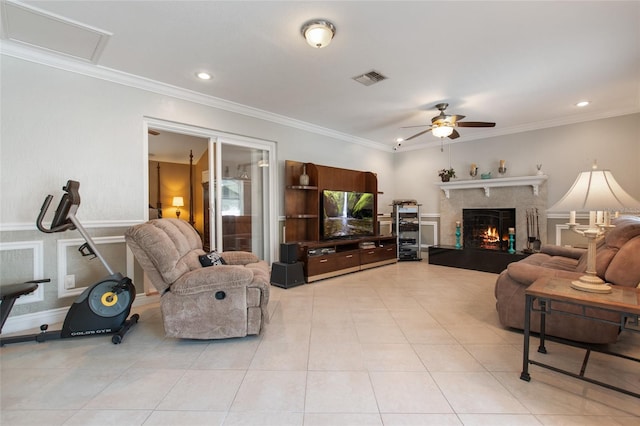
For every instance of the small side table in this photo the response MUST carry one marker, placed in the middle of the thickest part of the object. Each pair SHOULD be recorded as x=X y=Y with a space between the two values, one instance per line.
x=624 y=301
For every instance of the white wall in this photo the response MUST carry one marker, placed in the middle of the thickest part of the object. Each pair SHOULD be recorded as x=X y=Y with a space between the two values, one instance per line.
x=59 y=125
x=563 y=152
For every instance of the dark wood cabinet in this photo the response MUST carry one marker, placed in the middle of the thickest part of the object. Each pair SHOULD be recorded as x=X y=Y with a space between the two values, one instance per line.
x=304 y=215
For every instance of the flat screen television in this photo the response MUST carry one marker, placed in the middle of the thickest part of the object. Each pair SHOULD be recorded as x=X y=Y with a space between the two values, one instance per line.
x=346 y=214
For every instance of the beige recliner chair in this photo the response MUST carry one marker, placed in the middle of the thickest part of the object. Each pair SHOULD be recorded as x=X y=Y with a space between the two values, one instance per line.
x=197 y=302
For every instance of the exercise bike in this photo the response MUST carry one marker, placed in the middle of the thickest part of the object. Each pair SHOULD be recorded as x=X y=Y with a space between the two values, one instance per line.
x=102 y=308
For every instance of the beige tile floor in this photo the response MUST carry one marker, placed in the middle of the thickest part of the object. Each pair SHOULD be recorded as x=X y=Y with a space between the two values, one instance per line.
x=404 y=344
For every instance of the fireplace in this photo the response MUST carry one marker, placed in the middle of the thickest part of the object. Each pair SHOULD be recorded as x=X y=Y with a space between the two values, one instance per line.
x=488 y=228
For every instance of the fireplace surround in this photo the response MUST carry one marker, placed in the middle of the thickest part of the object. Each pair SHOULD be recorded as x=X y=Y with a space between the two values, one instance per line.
x=522 y=197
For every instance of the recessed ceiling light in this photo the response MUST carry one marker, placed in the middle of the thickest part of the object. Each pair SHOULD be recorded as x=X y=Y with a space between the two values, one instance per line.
x=583 y=103
x=203 y=75
x=399 y=140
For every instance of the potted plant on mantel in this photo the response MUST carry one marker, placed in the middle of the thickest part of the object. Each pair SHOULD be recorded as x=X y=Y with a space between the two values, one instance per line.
x=446 y=174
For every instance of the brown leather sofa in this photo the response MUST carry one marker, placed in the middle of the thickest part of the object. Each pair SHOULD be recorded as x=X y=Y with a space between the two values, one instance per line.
x=617 y=262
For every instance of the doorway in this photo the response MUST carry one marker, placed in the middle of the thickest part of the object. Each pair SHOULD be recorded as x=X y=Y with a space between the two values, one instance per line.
x=228 y=182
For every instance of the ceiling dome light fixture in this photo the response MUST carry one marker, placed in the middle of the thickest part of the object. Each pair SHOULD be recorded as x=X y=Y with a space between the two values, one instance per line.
x=203 y=75
x=442 y=131
x=583 y=103
x=318 y=32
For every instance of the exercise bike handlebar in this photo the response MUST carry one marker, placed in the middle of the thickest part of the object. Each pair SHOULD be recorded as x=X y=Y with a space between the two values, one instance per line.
x=52 y=229
x=68 y=205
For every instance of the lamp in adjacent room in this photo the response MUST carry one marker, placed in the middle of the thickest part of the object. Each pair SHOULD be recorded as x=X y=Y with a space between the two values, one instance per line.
x=598 y=193
x=318 y=32
x=177 y=203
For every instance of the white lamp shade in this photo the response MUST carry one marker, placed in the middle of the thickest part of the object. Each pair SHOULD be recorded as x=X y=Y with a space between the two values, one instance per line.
x=442 y=131
x=596 y=190
x=318 y=33
x=178 y=202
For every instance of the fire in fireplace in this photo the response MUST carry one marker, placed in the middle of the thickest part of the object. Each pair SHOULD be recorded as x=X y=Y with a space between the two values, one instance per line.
x=487 y=228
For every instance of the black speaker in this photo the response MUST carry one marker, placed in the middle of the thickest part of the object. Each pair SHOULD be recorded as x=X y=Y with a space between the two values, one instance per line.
x=288 y=252
x=287 y=275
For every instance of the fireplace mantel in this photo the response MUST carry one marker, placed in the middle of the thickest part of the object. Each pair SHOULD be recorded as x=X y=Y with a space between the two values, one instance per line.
x=487 y=184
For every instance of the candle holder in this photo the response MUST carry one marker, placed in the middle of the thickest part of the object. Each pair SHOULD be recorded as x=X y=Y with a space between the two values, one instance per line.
x=511 y=243
x=502 y=170
x=473 y=172
x=458 y=246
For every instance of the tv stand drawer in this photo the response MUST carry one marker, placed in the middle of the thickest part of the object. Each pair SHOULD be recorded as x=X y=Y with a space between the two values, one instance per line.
x=378 y=254
x=319 y=265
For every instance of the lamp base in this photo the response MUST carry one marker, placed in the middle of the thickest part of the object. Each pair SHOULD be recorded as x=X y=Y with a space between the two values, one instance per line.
x=591 y=284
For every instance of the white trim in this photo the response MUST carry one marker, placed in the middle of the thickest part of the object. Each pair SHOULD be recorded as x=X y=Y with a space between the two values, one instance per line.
x=62 y=261
x=38 y=267
x=19 y=323
x=487 y=184
x=12 y=49
x=560 y=227
x=28 y=226
x=434 y=224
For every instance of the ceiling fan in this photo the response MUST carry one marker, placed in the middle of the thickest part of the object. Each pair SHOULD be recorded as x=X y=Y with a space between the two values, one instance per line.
x=443 y=125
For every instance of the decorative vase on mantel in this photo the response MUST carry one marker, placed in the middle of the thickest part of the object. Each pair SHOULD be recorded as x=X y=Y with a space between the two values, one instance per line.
x=304 y=177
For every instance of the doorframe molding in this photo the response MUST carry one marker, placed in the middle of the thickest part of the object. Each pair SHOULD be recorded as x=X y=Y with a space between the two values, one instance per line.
x=213 y=136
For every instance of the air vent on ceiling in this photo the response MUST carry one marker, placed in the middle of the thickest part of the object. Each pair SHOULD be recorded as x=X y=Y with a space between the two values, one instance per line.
x=38 y=28
x=369 y=78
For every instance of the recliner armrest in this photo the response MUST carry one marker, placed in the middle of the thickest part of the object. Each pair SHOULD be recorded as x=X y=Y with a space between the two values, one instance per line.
x=213 y=278
x=526 y=274
x=239 y=257
x=571 y=252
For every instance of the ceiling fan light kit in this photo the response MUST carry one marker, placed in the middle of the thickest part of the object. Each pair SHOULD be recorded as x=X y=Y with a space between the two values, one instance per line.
x=318 y=32
x=442 y=131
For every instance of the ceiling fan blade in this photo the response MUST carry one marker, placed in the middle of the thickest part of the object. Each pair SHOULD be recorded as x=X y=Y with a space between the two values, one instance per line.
x=153 y=132
x=475 y=124
x=454 y=118
x=454 y=134
x=418 y=134
x=411 y=127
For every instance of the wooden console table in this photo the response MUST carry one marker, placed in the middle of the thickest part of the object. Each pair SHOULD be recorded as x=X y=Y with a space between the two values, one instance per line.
x=622 y=301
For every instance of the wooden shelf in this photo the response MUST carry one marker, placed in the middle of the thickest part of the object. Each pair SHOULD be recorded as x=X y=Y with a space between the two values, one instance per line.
x=303 y=187
x=486 y=184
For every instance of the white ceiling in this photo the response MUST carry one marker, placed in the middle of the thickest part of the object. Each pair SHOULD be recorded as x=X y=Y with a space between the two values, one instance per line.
x=522 y=65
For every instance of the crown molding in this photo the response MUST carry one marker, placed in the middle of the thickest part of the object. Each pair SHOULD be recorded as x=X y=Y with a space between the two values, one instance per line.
x=53 y=60
x=47 y=58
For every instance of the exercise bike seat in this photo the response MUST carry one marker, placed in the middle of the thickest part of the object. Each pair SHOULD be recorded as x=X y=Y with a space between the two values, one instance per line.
x=9 y=293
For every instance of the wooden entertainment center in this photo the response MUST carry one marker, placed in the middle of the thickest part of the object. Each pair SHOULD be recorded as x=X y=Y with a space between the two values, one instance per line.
x=304 y=215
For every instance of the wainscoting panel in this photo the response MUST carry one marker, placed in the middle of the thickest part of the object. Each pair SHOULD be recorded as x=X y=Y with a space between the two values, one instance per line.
x=26 y=260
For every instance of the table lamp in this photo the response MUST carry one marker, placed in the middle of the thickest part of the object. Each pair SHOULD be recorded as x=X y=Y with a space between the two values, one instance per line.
x=177 y=203
x=597 y=192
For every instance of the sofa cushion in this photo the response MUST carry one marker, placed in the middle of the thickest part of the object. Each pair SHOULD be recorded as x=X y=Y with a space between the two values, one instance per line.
x=625 y=229
x=624 y=269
